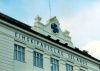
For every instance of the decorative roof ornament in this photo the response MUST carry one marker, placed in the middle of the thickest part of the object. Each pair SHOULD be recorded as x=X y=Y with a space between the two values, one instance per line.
x=37 y=19
x=52 y=28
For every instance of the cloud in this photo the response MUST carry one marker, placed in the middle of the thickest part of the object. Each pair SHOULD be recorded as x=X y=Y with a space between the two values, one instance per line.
x=84 y=25
x=93 y=48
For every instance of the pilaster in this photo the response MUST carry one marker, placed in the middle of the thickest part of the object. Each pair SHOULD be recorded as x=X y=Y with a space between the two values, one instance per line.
x=46 y=62
x=62 y=66
x=76 y=68
x=29 y=59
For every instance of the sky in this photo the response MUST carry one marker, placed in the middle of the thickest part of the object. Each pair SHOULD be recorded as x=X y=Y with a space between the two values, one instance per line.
x=79 y=17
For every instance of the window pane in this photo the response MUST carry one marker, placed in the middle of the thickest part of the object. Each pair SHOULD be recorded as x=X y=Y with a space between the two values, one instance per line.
x=34 y=58
x=15 y=54
x=22 y=57
x=19 y=55
x=23 y=50
x=19 y=48
x=15 y=47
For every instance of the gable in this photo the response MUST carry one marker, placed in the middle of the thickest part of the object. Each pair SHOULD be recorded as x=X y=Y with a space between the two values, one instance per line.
x=52 y=28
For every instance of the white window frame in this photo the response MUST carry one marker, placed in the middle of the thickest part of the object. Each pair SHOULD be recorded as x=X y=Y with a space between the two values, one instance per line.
x=37 y=59
x=19 y=53
x=54 y=64
x=69 y=67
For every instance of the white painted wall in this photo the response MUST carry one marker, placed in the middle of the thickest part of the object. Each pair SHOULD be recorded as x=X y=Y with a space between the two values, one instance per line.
x=7 y=63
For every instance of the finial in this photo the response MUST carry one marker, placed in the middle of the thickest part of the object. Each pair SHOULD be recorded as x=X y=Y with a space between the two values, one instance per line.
x=37 y=19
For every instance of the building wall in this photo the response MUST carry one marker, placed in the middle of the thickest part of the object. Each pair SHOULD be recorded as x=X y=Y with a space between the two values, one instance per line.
x=7 y=62
x=6 y=49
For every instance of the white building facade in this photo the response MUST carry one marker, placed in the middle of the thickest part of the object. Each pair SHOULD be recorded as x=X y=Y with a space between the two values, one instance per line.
x=40 y=48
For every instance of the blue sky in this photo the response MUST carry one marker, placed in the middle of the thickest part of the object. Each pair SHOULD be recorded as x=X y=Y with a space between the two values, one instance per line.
x=80 y=17
x=27 y=9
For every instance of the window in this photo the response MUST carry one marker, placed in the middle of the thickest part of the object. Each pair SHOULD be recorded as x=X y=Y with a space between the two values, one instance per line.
x=38 y=59
x=69 y=67
x=54 y=65
x=19 y=53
